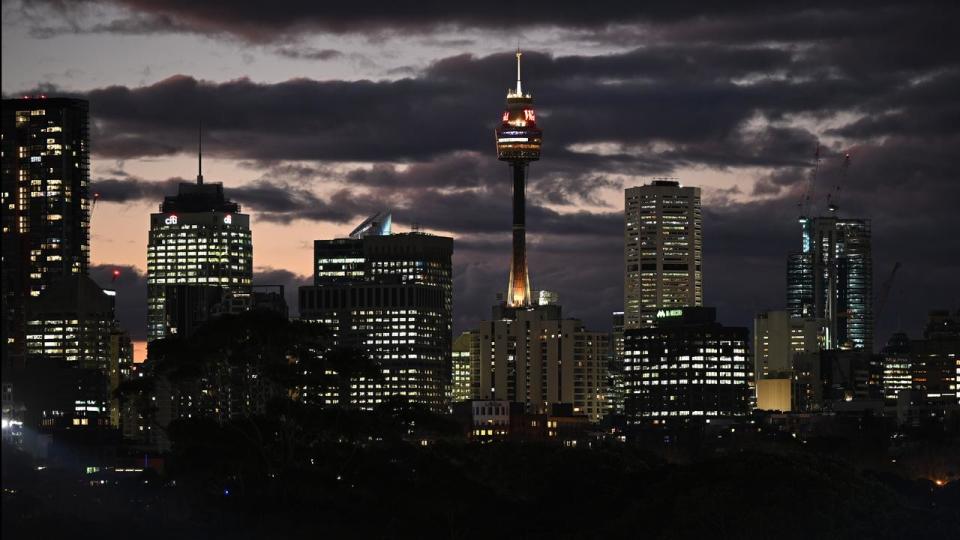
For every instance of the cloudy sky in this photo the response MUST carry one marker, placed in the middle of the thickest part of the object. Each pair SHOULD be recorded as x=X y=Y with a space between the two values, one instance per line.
x=318 y=114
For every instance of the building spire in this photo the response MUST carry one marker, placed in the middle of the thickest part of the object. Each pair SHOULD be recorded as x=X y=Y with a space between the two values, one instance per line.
x=519 y=54
x=200 y=153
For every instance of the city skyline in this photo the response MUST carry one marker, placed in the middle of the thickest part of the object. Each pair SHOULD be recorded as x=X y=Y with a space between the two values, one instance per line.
x=265 y=275
x=751 y=154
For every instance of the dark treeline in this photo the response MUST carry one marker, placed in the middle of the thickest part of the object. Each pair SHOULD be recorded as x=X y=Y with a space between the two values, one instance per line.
x=297 y=469
x=247 y=479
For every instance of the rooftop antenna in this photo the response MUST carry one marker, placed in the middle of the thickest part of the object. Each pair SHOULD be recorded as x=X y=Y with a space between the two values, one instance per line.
x=519 y=54
x=200 y=154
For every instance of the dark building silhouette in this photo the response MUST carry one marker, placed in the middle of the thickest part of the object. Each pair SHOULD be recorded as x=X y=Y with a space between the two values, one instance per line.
x=46 y=204
x=934 y=393
x=76 y=356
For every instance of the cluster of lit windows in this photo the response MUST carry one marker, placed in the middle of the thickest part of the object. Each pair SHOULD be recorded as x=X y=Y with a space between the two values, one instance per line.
x=664 y=375
x=662 y=250
x=84 y=341
x=182 y=253
x=528 y=360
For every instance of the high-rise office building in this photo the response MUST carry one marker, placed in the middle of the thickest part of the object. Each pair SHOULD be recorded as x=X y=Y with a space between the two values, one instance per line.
x=200 y=239
x=45 y=201
x=390 y=296
x=518 y=143
x=687 y=366
x=778 y=338
x=831 y=278
x=663 y=245
x=533 y=356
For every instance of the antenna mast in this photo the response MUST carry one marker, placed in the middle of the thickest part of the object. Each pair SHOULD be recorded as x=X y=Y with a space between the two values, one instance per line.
x=200 y=153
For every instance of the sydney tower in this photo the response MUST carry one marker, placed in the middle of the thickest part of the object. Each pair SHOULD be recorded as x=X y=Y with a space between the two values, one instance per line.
x=518 y=143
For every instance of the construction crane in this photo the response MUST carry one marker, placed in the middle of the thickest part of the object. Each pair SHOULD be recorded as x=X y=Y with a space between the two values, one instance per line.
x=831 y=204
x=810 y=194
x=811 y=185
x=885 y=293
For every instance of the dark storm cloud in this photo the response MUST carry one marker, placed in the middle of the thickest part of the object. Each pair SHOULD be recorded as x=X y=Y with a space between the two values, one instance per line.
x=419 y=119
x=250 y=20
x=253 y=21
x=710 y=87
x=273 y=201
x=308 y=53
x=121 y=190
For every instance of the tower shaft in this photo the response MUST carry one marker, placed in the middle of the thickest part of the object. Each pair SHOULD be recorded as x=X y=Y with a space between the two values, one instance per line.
x=518 y=289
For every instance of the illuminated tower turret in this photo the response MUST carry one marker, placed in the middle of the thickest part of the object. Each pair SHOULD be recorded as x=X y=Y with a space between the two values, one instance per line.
x=518 y=142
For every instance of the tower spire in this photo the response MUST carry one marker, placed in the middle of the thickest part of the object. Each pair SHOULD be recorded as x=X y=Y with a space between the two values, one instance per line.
x=518 y=143
x=200 y=153
x=519 y=54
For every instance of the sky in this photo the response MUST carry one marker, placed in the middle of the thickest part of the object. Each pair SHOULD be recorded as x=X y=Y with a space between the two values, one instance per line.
x=316 y=115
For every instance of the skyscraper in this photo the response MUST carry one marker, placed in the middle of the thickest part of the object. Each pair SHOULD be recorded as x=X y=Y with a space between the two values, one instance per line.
x=389 y=295
x=46 y=203
x=198 y=239
x=518 y=143
x=831 y=278
x=663 y=244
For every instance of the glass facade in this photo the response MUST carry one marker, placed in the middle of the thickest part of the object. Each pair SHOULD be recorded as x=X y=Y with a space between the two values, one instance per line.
x=832 y=279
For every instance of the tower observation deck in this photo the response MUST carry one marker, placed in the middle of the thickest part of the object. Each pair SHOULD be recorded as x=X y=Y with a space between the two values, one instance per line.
x=518 y=143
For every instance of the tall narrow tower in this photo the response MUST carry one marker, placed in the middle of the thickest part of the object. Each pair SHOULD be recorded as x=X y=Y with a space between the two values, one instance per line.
x=518 y=143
